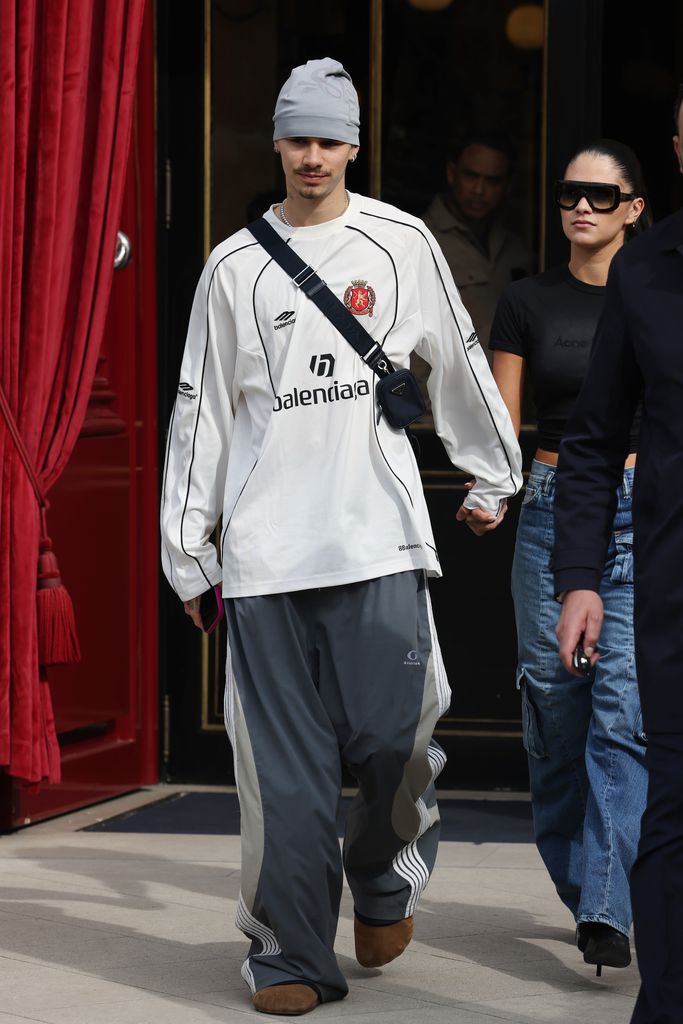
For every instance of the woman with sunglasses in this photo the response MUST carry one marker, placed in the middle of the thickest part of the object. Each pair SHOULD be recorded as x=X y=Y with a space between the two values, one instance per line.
x=584 y=738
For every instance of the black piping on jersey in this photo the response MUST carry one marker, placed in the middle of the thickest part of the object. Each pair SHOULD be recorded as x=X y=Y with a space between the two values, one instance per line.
x=379 y=445
x=199 y=410
x=433 y=549
x=225 y=528
x=350 y=227
x=403 y=223
x=253 y=303
x=163 y=494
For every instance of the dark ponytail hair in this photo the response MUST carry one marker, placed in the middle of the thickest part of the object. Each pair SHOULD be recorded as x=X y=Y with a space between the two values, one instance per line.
x=627 y=162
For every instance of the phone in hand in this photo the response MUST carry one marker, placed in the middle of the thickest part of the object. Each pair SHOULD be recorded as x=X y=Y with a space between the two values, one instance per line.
x=211 y=608
x=580 y=660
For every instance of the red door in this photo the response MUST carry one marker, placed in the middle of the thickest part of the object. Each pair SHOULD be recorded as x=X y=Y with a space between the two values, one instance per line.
x=103 y=520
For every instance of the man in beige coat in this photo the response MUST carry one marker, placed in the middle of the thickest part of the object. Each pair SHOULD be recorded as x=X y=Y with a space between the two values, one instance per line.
x=483 y=255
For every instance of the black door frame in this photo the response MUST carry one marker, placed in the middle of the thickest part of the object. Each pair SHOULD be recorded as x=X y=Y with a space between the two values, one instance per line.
x=187 y=748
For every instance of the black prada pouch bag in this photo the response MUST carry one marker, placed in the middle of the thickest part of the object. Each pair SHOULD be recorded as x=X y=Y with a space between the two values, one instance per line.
x=399 y=397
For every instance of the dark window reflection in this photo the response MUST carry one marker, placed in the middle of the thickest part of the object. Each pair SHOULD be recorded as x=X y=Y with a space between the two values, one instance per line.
x=641 y=74
x=462 y=139
x=254 y=46
x=448 y=74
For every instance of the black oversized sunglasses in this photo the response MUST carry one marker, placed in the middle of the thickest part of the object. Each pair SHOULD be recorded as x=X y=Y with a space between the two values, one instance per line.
x=601 y=197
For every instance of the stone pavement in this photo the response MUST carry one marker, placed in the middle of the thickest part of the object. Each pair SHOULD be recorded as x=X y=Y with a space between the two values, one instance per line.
x=112 y=928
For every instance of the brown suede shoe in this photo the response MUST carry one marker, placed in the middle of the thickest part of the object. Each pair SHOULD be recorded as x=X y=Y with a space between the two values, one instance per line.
x=288 y=1000
x=377 y=945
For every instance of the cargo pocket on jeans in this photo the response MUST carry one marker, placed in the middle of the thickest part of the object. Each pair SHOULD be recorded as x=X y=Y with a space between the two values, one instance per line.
x=623 y=563
x=531 y=733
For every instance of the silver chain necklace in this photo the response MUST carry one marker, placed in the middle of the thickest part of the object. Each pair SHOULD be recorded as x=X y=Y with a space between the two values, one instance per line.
x=284 y=220
x=282 y=214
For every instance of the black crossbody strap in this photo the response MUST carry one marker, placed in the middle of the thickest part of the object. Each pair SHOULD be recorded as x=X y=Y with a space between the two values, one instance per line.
x=313 y=286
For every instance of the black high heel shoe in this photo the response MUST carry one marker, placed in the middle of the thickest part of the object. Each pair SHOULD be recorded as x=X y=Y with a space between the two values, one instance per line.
x=602 y=945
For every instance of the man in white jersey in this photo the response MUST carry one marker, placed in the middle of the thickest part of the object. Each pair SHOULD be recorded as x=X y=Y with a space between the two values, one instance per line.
x=325 y=546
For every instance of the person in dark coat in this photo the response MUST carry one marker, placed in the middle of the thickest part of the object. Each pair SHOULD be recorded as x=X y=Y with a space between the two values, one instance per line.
x=638 y=352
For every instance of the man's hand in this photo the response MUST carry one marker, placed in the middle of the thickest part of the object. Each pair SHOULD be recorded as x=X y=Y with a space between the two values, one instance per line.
x=582 y=612
x=192 y=609
x=480 y=521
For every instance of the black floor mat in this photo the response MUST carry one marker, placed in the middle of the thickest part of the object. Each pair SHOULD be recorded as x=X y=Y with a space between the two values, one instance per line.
x=468 y=821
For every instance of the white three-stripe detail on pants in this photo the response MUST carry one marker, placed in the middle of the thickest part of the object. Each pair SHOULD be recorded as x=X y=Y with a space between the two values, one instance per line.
x=437 y=760
x=248 y=975
x=248 y=924
x=409 y=864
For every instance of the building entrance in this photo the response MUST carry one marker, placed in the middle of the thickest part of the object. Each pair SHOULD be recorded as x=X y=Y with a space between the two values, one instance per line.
x=433 y=77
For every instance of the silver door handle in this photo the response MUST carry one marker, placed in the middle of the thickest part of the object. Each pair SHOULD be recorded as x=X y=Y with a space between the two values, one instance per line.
x=124 y=251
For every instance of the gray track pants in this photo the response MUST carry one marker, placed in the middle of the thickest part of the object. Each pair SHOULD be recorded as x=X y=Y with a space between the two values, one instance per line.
x=315 y=678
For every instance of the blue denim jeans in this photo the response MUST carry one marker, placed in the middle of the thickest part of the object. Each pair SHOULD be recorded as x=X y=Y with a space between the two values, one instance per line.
x=584 y=737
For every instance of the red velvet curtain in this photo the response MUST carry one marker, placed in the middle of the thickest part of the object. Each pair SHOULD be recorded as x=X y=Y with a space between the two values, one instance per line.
x=67 y=81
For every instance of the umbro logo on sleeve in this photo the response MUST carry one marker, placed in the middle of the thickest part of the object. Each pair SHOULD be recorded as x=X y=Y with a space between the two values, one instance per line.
x=285 y=319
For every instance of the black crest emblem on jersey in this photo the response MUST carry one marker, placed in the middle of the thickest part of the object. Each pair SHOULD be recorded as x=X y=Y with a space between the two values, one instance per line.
x=322 y=366
x=360 y=298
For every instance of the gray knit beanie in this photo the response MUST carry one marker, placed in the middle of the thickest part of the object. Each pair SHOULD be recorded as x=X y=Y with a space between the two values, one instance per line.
x=318 y=101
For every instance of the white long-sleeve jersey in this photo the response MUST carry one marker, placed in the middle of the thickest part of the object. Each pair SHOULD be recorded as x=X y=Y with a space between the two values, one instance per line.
x=276 y=428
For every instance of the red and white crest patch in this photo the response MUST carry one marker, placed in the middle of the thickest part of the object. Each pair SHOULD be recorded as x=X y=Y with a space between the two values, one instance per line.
x=360 y=298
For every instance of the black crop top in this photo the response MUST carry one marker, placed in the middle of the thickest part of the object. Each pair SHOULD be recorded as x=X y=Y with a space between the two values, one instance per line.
x=550 y=320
